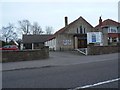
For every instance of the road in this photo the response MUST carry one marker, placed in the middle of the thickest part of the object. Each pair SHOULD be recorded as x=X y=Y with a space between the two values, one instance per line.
x=67 y=76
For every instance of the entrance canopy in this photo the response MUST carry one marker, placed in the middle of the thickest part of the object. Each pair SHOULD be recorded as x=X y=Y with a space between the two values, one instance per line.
x=81 y=36
x=80 y=41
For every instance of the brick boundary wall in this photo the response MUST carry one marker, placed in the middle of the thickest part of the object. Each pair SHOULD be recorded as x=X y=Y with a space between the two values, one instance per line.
x=25 y=55
x=97 y=50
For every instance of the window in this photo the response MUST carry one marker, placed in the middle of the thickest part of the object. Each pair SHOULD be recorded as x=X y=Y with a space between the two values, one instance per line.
x=36 y=44
x=77 y=31
x=84 y=31
x=112 y=30
x=81 y=29
x=93 y=38
x=109 y=30
x=114 y=40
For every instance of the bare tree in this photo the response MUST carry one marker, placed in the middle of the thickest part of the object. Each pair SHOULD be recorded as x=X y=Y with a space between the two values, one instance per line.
x=37 y=30
x=25 y=26
x=14 y=36
x=49 y=30
x=8 y=33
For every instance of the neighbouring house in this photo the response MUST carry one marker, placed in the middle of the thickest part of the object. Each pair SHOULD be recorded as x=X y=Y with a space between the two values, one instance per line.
x=35 y=41
x=72 y=36
x=110 y=30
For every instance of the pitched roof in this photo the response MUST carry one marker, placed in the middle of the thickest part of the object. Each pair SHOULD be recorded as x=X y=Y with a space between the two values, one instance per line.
x=35 y=38
x=108 y=22
x=62 y=30
x=113 y=35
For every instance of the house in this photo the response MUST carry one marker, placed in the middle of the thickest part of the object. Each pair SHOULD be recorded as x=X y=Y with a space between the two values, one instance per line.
x=34 y=41
x=71 y=36
x=110 y=30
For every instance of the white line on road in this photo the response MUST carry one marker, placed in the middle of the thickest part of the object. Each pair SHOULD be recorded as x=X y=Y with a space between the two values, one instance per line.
x=100 y=83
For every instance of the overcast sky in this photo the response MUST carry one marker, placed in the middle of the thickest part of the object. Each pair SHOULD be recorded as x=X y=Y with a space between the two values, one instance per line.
x=52 y=12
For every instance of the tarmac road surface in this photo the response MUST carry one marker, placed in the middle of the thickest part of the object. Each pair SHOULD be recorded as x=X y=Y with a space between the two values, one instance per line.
x=66 y=76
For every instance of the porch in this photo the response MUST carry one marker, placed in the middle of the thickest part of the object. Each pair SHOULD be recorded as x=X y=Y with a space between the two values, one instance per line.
x=80 y=41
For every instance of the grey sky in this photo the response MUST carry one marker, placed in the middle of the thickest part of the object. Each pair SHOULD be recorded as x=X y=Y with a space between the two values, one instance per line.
x=52 y=12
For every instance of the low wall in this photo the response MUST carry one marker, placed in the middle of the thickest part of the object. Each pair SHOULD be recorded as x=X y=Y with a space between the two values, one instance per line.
x=97 y=50
x=25 y=55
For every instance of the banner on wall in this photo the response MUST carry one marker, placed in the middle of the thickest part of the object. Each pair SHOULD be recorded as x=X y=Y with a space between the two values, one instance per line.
x=66 y=42
x=94 y=37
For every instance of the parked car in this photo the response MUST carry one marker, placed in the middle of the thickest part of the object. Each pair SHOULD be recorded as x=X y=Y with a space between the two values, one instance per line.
x=9 y=47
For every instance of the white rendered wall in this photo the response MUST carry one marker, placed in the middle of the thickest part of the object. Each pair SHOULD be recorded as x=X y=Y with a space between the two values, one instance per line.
x=51 y=44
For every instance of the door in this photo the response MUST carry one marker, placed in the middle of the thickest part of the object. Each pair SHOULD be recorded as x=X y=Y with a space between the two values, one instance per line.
x=82 y=43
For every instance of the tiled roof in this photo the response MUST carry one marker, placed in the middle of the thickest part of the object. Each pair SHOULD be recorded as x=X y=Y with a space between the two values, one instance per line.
x=35 y=38
x=108 y=22
x=62 y=30
x=113 y=35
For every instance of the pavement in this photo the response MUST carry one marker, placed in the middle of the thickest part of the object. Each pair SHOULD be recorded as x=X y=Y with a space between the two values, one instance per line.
x=57 y=59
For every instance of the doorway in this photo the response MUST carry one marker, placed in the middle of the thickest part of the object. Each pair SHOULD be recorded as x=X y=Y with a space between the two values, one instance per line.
x=82 y=43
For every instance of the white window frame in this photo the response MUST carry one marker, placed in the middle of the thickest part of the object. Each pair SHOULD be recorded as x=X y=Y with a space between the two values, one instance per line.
x=112 y=28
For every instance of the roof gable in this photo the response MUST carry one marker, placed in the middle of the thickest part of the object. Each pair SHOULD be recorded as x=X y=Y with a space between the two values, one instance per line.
x=108 y=22
x=62 y=30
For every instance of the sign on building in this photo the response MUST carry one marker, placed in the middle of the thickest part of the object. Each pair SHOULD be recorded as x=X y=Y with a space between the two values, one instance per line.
x=66 y=42
x=94 y=37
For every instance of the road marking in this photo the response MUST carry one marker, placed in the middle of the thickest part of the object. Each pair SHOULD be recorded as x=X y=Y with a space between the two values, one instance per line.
x=92 y=85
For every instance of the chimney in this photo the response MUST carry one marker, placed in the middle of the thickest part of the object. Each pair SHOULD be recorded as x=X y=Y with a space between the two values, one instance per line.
x=100 y=21
x=66 y=21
